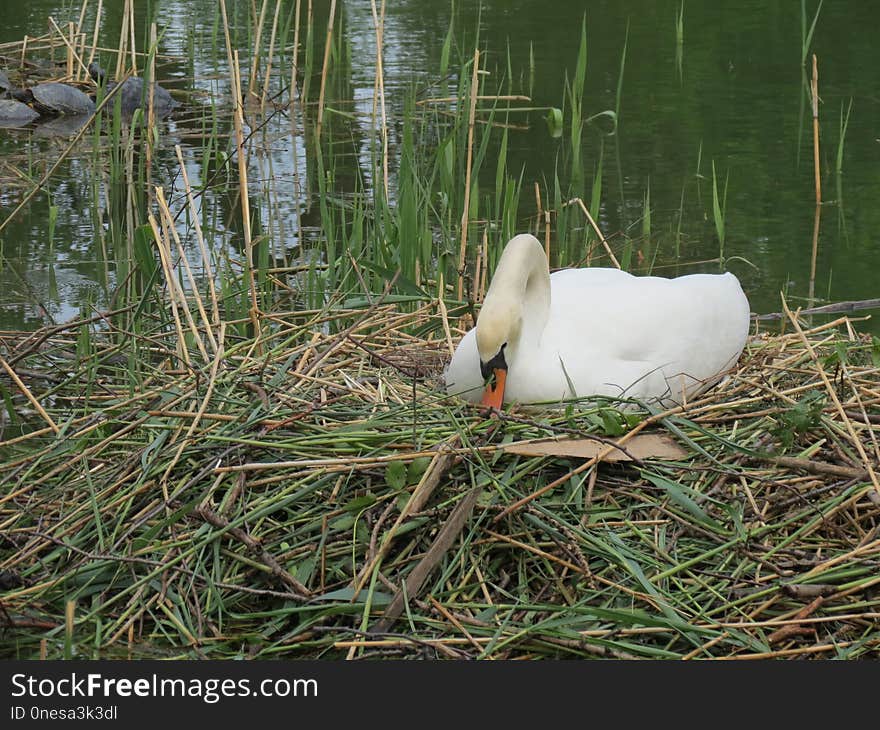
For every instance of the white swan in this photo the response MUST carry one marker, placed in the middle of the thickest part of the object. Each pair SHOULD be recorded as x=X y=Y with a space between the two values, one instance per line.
x=595 y=331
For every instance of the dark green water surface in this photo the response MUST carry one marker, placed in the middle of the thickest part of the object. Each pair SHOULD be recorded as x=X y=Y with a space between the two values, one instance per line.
x=732 y=92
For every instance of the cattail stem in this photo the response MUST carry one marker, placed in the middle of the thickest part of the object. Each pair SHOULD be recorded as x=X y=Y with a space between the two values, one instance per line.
x=324 y=69
x=814 y=89
x=467 y=176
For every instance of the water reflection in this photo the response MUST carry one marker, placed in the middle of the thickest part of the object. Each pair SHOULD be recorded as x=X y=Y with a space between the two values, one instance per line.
x=719 y=84
x=63 y=126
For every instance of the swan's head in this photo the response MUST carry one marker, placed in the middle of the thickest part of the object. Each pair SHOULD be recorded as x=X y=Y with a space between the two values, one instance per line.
x=498 y=332
x=519 y=293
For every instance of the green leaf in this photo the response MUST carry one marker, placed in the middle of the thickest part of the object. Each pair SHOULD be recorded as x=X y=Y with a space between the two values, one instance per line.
x=554 y=121
x=717 y=209
x=395 y=475
x=678 y=494
x=303 y=570
x=416 y=468
x=410 y=525
x=53 y=219
x=836 y=358
x=143 y=250
x=402 y=284
x=611 y=422
x=608 y=113
x=345 y=595
x=359 y=503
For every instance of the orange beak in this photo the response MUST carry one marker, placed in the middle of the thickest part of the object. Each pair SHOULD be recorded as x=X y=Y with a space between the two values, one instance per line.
x=494 y=394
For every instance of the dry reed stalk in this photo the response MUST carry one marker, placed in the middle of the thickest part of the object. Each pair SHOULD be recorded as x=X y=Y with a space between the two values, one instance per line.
x=353 y=463
x=69 y=42
x=539 y=209
x=595 y=228
x=294 y=67
x=379 y=87
x=132 y=48
x=151 y=130
x=203 y=249
x=131 y=190
x=23 y=53
x=82 y=16
x=482 y=278
x=229 y=57
x=478 y=268
x=238 y=123
x=72 y=55
x=324 y=69
x=862 y=413
x=547 y=232
x=480 y=97
x=121 y=48
x=834 y=308
x=172 y=229
x=449 y=616
x=403 y=642
x=95 y=34
x=30 y=396
x=444 y=316
x=267 y=79
x=165 y=413
x=258 y=39
x=832 y=393
x=803 y=651
x=814 y=99
x=203 y=407
x=462 y=252
x=813 y=255
x=82 y=47
x=164 y=258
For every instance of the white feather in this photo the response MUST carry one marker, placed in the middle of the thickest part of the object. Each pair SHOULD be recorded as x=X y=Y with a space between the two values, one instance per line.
x=606 y=332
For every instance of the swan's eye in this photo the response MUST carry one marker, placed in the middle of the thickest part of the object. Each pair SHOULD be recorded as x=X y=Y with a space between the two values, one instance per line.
x=496 y=363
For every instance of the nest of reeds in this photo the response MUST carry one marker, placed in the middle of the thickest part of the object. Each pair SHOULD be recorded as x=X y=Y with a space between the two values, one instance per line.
x=312 y=492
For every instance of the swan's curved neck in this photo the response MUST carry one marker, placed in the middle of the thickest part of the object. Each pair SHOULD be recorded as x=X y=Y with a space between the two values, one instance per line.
x=517 y=305
x=522 y=273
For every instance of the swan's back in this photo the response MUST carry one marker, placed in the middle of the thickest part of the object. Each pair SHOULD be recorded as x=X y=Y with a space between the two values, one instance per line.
x=605 y=332
x=690 y=328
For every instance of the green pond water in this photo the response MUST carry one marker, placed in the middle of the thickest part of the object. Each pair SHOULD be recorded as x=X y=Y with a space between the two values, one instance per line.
x=730 y=90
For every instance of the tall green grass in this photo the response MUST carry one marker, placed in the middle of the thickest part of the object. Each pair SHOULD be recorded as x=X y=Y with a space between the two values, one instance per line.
x=719 y=210
x=807 y=33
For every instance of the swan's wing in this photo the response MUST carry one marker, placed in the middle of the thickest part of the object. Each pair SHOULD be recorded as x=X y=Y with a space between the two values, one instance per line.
x=609 y=324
